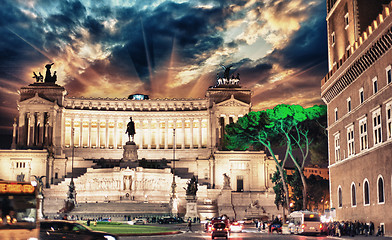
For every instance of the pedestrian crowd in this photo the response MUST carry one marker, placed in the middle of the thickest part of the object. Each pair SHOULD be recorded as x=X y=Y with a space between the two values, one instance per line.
x=348 y=228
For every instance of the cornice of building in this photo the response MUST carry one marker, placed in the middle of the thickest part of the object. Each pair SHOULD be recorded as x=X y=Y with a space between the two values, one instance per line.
x=332 y=9
x=124 y=104
x=370 y=47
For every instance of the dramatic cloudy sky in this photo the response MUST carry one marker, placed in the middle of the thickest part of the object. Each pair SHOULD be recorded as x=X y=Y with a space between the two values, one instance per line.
x=164 y=48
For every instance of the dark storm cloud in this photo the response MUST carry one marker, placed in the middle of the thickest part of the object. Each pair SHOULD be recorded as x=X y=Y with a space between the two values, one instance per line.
x=153 y=33
x=307 y=46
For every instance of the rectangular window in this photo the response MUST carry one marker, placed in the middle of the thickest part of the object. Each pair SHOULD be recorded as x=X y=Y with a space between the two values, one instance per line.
x=389 y=120
x=337 y=147
x=336 y=114
x=333 y=39
x=348 y=104
x=375 y=87
x=346 y=21
x=363 y=140
x=361 y=96
x=350 y=140
x=389 y=74
x=377 y=135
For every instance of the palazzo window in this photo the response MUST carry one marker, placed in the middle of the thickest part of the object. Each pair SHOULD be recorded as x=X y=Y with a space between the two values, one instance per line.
x=361 y=96
x=389 y=120
x=366 y=193
x=363 y=138
x=380 y=190
x=336 y=114
x=346 y=21
x=333 y=39
x=375 y=86
x=353 y=195
x=337 y=147
x=348 y=104
x=389 y=74
x=340 y=197
x=377 y=137
x=350 y=140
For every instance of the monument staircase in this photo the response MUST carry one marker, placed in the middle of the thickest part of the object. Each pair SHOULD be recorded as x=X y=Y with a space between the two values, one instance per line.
x=117 y=210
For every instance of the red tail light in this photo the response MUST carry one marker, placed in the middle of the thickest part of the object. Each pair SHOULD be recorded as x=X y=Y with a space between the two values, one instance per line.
x=213 y=229
x=303 y=226
x=321 y=226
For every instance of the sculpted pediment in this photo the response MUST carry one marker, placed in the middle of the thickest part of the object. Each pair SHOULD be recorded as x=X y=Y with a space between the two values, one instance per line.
x=36 y=100
x=232 y=102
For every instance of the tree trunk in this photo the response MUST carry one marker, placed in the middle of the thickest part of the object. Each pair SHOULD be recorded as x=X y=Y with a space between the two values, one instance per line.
x=280 y=168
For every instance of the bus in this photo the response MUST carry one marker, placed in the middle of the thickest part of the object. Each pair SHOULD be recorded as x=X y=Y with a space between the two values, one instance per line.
x=18 y=201
x=304 y=222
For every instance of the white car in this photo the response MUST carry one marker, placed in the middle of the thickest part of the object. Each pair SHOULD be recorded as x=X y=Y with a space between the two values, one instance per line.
x=137 y=221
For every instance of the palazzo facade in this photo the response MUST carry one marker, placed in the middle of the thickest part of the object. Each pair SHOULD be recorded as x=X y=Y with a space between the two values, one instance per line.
x=358 y=94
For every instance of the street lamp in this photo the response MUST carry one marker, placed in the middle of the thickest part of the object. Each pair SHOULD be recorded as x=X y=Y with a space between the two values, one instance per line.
x=174 y=185
x=71 y=191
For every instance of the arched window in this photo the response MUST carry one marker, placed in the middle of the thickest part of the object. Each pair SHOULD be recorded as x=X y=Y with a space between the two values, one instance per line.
x=340 y=204
x=366 y=195
x=380 y=189
x=353 y=195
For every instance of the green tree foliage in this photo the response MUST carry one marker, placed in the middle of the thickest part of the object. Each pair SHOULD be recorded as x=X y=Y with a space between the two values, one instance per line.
x=284 y=125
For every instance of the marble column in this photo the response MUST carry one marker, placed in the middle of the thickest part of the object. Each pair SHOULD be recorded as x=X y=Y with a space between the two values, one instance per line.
x=98 y=144
x=89 y=133
x=149 y=135
x=158 y=134
x=191 y=129
x=106 y=133
x=200 y=134
x=166 y=134
x=81 y=133
x=13 y=145
x=72 y=143
x=183 y=133
x=115 y=133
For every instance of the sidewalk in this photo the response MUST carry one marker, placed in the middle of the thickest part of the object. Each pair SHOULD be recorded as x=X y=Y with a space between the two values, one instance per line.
x=362 y=237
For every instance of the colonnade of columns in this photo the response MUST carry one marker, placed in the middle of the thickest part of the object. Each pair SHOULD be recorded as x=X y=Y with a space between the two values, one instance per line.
x=107 y=132
x=34 y=129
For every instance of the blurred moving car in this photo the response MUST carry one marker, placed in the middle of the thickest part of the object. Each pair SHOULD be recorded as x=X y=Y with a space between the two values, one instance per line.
x=167 y=220
x=140 y=221
x=236 y=227
x=219 y=229
x=247 y=221
x=104 y=220
x=63 y=229
x=276 y=227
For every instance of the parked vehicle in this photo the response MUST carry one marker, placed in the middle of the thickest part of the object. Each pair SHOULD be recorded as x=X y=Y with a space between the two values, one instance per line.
x=219 y=229
x=303 y=222
x=63 y=229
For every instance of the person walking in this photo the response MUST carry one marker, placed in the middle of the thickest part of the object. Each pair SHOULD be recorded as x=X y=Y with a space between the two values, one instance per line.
x=189 y=226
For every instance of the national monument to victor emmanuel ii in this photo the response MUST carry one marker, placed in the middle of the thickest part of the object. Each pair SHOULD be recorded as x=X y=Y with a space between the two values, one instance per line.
x=53 y=130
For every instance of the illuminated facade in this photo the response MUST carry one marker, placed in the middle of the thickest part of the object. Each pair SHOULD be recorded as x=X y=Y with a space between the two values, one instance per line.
x=60 y=129
x=358 y=93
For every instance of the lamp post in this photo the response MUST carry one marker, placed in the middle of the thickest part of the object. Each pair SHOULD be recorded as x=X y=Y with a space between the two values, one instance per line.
x=71 y=190
x=174 y=185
